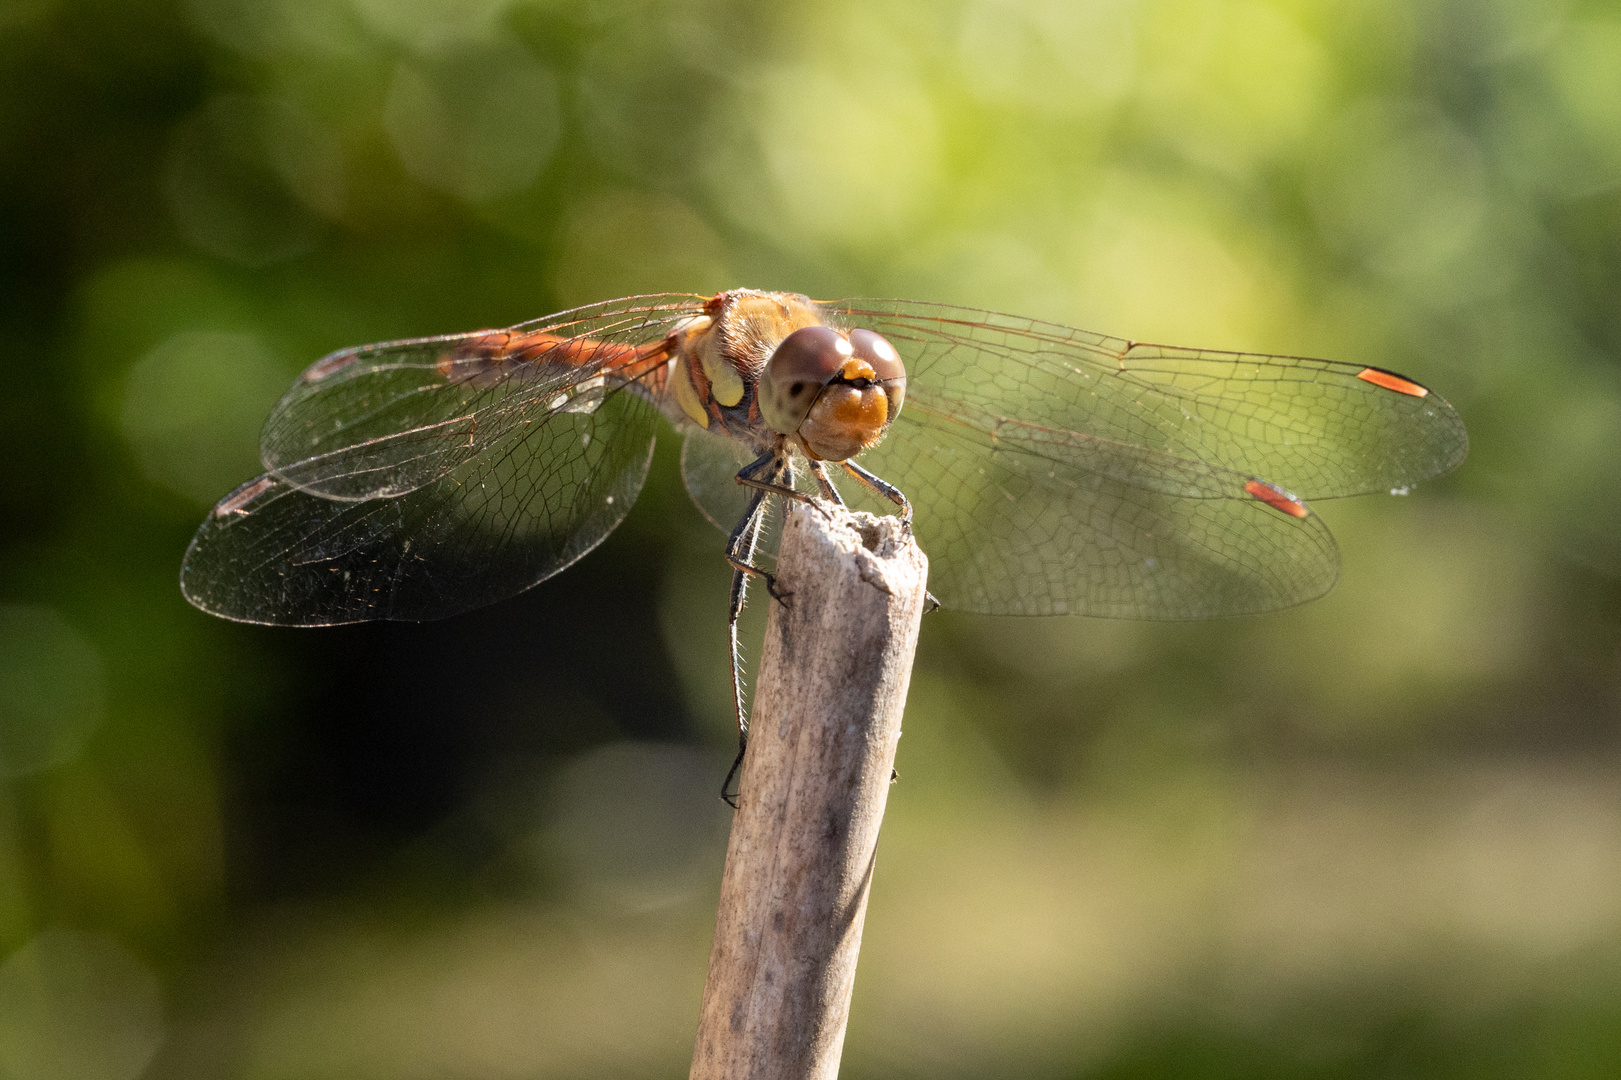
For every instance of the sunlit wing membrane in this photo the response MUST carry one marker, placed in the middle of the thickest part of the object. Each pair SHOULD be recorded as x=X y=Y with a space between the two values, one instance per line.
x=382 y=420
x=1318 y=428
x=1009 y=531
x=1059 y=471
x=272 y=553
x=709 y=468
x=415 y=524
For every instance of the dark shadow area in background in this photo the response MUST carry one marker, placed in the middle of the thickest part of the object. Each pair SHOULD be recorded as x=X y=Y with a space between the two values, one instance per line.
x=395 y=726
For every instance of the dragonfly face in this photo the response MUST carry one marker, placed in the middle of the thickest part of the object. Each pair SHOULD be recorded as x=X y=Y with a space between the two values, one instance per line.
x=1051 y=470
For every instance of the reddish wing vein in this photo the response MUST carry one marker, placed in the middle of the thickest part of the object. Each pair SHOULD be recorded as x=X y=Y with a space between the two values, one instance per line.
x=440 y=482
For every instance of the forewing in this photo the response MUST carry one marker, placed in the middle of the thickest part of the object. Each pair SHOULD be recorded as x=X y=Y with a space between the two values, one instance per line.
x=1317 y=428
x=379 y=421
x=491 y=526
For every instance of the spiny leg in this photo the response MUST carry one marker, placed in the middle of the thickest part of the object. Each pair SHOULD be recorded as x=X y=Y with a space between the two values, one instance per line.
x=779 y=467
x=824 y=483
x=748 y=476
x=778 y=481
x=894 y=495
x=884 y=488
x=740 y=553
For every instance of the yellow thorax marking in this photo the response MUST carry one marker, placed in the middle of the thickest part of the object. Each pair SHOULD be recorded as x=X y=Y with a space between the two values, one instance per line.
x=686 y=396
x=725 y=384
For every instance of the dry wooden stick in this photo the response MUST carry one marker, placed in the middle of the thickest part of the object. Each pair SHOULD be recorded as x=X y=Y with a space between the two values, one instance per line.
x=827 y=716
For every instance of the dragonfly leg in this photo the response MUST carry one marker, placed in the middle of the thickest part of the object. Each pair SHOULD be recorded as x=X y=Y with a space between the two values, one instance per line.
x=825 y=483
x=884 y=488
x=893 y=494
x=779 y=482
x=748 y=476
x=740 y=553
x=740 y=547
x=727 y=795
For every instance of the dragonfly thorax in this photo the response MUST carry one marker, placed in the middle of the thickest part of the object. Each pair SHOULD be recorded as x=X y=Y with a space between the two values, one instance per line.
x=769 y=364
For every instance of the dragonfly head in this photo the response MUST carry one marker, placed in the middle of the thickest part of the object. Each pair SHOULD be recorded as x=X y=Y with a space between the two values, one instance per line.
x=837 y=392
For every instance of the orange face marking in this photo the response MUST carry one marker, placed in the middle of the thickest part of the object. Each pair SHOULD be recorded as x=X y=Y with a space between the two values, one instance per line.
x=844 y=421
x=861 y=412
x=1391 y=381
x=1276 y=498
x=857 y=368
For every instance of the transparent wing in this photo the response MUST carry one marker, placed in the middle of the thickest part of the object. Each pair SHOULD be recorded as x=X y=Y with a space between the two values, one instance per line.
x=1317 y=428
x=709 y=467
x=379 y=421
x=1011 y=528
x=417 y=479
x=1057 y=471
x=493 y=526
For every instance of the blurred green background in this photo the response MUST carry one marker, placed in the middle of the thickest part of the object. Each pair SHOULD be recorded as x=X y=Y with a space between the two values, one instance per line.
x=1376 y=836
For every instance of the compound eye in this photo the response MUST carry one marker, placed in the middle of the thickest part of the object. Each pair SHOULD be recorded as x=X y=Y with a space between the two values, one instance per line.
x=814 y=354
x=886 y=364
x=875 y=350
x=805 y=362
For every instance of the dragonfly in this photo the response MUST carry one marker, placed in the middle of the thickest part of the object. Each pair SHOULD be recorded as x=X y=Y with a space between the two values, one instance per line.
x=1045 y=470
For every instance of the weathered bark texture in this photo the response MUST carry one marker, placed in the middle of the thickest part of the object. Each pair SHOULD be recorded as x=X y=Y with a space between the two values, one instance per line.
x=827 y=716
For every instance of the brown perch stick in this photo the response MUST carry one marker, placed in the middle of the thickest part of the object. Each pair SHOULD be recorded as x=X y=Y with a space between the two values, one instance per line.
x=827 y=717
